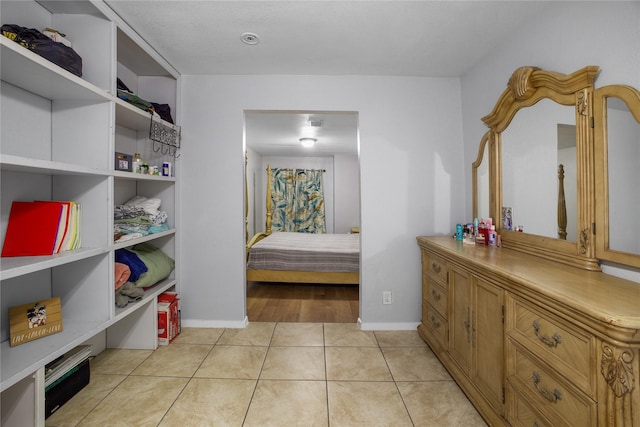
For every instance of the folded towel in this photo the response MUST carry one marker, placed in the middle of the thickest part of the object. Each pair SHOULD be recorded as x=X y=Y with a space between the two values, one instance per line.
x=122 y=273
x=131 y=259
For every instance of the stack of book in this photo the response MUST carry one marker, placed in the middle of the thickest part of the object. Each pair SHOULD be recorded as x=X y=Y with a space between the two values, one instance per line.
x=42 y=228
x=66 y=376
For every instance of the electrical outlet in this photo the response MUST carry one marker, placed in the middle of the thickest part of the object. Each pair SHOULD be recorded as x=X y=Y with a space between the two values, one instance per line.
x=386 y=297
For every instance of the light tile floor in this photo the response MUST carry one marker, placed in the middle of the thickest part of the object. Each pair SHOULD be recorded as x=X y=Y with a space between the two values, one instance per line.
x=272 y=374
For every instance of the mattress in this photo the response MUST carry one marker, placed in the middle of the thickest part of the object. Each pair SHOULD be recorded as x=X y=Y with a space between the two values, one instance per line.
x=306 y=252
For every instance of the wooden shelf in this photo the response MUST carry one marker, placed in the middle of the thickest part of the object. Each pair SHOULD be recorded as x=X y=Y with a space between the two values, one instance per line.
x=27 y=70
x=11 y=267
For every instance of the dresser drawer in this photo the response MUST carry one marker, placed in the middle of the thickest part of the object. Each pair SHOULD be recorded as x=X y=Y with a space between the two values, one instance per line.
x=571 y=351
x=436 y=325
x=548 y=392
x=436 y=296
x=435 y=268
x=520 y=414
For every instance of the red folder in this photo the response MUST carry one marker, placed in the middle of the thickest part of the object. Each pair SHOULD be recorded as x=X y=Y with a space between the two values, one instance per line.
x=32 y=229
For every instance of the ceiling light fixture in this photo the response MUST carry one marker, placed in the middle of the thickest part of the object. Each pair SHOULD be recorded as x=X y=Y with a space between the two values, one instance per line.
x=308 y=142
x=250 y=38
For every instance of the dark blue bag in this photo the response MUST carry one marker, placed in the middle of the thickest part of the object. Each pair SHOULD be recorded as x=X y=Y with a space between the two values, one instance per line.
x=53 y=51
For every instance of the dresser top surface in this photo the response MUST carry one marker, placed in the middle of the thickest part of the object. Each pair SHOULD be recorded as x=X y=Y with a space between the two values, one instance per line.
x=608 y=299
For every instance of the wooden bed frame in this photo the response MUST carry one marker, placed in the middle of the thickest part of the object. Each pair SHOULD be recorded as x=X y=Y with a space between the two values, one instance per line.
x=287 y=276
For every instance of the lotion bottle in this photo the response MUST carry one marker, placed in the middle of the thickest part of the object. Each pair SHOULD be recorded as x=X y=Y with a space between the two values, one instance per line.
x=492 y=236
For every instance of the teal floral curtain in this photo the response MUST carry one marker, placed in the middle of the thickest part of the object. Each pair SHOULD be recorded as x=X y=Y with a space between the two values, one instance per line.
x=298 y=200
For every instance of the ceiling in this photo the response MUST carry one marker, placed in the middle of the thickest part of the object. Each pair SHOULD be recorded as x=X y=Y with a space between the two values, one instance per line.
x=377 y=38
x=278 y=133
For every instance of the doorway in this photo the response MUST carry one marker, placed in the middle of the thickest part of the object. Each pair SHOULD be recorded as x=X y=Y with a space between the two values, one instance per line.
x=272 y=138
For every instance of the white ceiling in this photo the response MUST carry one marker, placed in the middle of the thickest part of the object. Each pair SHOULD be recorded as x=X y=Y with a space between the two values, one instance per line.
x=277 y=133
x=384 y=38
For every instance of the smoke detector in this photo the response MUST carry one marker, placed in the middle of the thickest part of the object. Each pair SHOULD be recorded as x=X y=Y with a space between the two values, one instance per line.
x=250 y=38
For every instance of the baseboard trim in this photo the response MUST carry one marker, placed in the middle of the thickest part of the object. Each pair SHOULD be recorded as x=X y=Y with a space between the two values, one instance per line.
x=374 y=326
x=198 y=323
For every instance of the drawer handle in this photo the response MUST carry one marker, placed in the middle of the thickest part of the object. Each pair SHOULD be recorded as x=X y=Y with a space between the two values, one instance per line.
x=551 y=342
x=436 y=295
x=552 y=397
x=435 y=267
x=434 y=322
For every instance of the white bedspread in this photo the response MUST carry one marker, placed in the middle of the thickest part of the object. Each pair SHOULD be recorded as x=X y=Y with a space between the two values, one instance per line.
x=306 y=252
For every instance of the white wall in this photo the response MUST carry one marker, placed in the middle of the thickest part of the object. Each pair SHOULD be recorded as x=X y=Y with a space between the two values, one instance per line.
x=567 y=37
x=347 y=201
x=411 y=172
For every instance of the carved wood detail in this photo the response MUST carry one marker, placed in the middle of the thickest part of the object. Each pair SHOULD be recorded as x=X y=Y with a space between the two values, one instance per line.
x=617 y=369
x=582 y=102
x=584 y=240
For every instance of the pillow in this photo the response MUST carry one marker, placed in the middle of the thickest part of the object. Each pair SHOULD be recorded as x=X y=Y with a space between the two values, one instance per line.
x=150 y=206
x=159 y=265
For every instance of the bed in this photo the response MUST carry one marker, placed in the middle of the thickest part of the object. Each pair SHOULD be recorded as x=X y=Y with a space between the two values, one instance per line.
x=287 y=257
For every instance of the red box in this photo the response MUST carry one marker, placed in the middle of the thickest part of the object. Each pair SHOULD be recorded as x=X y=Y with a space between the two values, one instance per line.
x=168 y=317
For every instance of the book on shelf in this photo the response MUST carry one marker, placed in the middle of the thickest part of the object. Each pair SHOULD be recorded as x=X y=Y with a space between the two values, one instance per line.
x=61 y=367
x=63 y=224
x=41 y=228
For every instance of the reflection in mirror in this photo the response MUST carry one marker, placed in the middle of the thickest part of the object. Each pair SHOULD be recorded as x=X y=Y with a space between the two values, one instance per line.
x=623 y=151
x=530 y=159
x=480 y=176
x=567 y=158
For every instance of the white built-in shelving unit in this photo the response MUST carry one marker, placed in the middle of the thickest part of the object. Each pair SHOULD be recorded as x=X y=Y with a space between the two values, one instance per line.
x=58 y=137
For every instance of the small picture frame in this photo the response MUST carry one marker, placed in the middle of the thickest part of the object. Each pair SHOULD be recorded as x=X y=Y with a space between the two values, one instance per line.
x=34 y=320
x=123 y=162
x=507 y=218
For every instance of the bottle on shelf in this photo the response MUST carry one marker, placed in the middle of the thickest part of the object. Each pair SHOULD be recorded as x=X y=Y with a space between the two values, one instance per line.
x=137 y=163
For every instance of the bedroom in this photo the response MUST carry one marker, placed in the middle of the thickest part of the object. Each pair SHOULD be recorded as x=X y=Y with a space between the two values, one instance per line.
x=272 y=141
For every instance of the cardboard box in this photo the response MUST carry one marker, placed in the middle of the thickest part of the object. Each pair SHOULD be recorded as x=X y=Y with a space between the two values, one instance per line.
x=168 y=317
x=56 y=36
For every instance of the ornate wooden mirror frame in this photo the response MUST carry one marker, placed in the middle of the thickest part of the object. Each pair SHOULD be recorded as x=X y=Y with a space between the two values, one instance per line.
x=614 y=220
x=525 y=88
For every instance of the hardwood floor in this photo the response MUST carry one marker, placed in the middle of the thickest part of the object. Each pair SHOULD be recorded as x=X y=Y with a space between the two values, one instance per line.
x=273 y=302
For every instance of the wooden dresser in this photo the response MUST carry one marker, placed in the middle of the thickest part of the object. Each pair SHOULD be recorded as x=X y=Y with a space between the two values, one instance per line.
x=530 y=341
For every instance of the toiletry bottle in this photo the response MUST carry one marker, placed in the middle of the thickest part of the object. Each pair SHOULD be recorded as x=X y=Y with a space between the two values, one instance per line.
x=458 y=231
x=491 y=241
x=480 y=233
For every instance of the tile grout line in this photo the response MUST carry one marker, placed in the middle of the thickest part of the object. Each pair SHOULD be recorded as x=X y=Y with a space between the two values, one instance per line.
x=110 y=391
x=189 y=378
x=326 y=374
x=395 y=382
x=255 y=387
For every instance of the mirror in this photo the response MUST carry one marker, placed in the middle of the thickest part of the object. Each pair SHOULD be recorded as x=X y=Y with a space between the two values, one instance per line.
x=618 y=143
x=530 y=160
x=480 y=180
x=536 y=108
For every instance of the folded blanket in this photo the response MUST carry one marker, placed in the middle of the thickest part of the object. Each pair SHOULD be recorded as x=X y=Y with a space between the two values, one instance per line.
x=159 y=264
x=135 y=264
x=122 y=273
